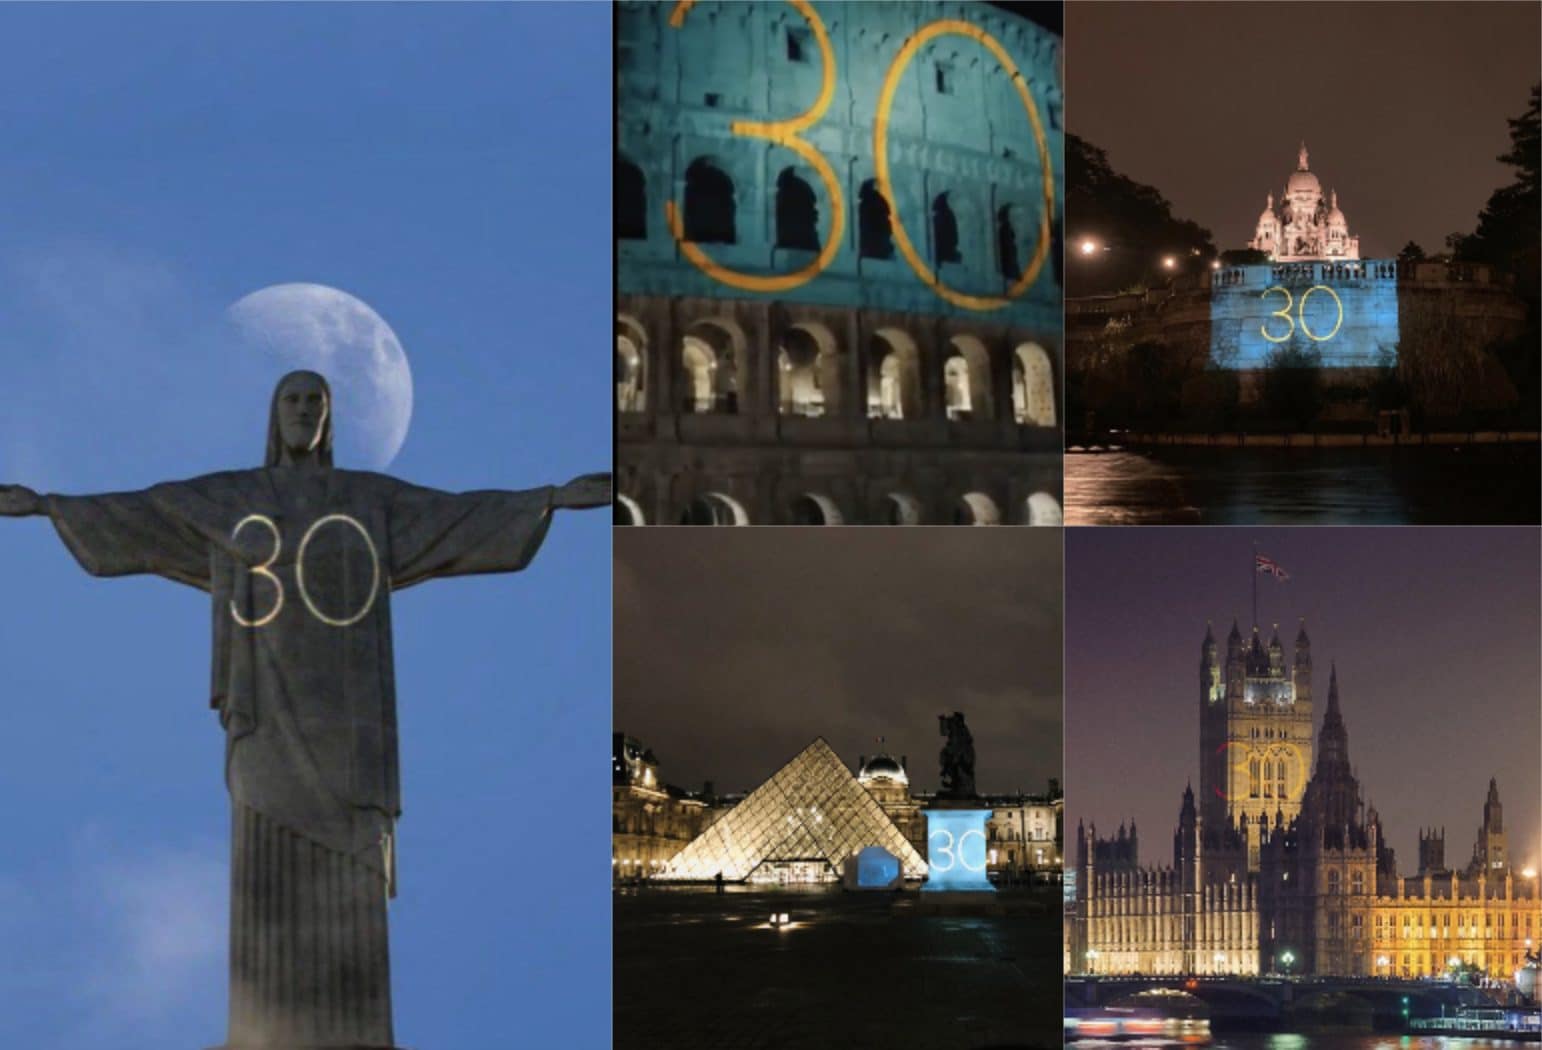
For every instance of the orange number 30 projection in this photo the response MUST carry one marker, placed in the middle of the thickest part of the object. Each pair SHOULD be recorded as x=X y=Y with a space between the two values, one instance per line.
x=787 y=133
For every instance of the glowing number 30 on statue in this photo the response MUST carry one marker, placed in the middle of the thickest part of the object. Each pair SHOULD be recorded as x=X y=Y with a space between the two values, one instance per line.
x=788 y=134
x=265 y=570
x=948 y=852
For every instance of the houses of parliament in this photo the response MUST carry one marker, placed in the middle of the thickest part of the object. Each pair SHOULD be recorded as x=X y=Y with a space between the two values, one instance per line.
x=1278 y=865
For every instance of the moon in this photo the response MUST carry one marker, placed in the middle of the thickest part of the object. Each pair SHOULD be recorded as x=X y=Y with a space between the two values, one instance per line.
x=329 y=331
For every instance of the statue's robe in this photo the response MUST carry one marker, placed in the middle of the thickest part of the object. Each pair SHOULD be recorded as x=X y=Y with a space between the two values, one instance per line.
x=304 y=686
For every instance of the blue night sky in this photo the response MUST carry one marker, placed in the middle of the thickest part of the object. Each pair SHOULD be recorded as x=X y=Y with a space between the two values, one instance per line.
x=449 y=166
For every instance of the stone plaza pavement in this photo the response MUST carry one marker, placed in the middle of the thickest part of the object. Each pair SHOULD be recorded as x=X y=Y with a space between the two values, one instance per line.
x=695 y=970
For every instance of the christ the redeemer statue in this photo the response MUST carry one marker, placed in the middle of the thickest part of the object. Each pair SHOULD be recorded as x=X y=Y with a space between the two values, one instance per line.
x=300 y=560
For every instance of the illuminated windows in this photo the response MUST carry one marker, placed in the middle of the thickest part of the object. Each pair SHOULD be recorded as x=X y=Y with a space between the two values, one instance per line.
x=893 y=376
x=976 y=508
x=714 y=508
x=1033 y=386
x=631 y=359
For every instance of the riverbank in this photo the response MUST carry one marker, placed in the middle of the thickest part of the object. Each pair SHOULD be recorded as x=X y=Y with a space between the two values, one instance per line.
x=1439 y=439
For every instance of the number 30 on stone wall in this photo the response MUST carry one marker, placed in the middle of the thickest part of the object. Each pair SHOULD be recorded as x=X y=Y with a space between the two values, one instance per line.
x=1283 y=313
x=265 y=570
x=788 y=134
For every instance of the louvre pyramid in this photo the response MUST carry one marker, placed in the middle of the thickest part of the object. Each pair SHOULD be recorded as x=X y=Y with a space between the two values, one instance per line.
x=811 y=809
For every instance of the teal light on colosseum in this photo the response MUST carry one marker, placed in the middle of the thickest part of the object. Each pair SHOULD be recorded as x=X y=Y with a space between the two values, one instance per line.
x=748 y=164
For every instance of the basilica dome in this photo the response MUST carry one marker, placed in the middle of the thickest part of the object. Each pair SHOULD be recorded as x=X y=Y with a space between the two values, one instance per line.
x=1303 y=181
x=1306 y=226
x=1336 y=217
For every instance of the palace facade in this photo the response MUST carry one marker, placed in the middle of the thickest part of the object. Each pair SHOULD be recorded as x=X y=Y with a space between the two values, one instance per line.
x=1280 y=867
x=805 y=820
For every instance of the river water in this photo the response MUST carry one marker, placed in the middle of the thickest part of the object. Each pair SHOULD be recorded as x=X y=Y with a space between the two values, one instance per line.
x=1323 y=1041
x=1489 y=485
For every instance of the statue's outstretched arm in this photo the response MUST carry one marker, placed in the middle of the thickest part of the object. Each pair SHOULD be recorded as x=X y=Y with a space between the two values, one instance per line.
x=18 y=501
x=584 y=492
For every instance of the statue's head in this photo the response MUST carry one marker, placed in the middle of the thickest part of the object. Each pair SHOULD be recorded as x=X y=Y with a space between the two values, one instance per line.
x=300 y=420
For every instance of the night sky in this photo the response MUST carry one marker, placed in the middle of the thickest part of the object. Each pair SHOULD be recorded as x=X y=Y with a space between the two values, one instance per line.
x=1402 y=107
x=1435 y=631
x=734 y=648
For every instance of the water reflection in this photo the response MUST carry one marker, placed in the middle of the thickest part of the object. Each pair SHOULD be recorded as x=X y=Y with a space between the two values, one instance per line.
x=1298 y=1041
x=1187 y=486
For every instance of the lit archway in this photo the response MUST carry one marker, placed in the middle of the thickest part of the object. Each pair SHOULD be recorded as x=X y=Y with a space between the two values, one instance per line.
x=893 y=376
x=976 y=508
x=901 y=508
x=631 y=366
x=808 y=372
x=812 y=508
x=966 y=378
x=628 y=511
x=714 y=508
x=1033 y=386
x=1044 y=509
x=710 y=354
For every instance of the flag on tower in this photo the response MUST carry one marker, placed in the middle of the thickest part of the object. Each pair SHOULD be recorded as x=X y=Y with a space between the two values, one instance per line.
x=1265 y=564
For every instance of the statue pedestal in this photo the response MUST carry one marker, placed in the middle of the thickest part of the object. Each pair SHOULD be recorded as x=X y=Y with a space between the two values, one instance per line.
x=966 y=903
x=955 y=848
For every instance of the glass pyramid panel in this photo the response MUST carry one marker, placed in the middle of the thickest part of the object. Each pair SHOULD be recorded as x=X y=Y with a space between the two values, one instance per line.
x=812 y=808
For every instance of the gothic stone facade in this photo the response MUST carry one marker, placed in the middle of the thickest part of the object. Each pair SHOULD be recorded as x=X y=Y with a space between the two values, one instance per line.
x=1273 y=872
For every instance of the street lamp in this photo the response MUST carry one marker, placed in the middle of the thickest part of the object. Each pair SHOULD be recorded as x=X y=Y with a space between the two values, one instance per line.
x=1286 y=958
x=1092 y=958
x=1087 y=246
x=1169 y=262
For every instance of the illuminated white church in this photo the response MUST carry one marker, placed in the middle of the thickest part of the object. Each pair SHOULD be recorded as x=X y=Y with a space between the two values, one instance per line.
x=1304 y=227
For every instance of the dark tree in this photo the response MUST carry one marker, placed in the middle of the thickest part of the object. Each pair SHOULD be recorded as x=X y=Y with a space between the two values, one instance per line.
x=1411 y=253
x=1292 y=386
x=1244 y=257
x=1507 y=239
x=1133 y=220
